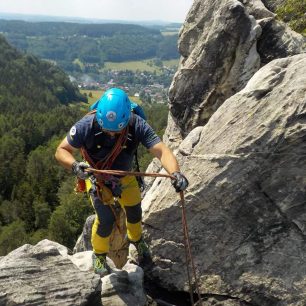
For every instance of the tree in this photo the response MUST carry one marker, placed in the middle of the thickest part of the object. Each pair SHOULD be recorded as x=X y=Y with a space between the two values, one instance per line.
x=67 y=220
x=12 y=236
x=42 y=214
x=36 y=101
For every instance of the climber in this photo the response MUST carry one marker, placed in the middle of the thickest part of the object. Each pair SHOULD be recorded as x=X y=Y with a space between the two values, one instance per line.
x=107 y=138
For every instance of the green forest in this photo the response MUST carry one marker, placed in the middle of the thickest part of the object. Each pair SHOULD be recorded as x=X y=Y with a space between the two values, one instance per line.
x=70 y=43
x=38 y=106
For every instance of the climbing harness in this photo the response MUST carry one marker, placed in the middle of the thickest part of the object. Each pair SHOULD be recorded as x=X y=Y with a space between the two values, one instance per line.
x=187 y=245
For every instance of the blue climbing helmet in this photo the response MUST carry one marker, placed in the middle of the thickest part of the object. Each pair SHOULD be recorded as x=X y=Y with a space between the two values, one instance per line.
x=113 y=110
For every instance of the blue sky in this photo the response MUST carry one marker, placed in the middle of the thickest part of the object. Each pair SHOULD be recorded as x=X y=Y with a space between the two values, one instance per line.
x=138 y=10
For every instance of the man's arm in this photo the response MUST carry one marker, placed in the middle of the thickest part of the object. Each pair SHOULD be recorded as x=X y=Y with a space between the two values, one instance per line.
x=169 y=162
x=166 y=157
x=64 y=154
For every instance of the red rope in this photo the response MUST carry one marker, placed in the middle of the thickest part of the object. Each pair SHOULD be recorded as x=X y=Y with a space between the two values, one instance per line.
x=124 y=173
x=189 y=257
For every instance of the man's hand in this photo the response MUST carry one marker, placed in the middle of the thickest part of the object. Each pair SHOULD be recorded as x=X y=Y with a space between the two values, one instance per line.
x=78 y=168
x=180 y=182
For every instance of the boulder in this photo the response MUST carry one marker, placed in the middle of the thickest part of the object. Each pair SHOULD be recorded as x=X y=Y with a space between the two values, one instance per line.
x=272 y=5
x=124 y=287
x=222 y=43
x=278 y=41
x=245 y=203
x=44 y=275
x=218 y=48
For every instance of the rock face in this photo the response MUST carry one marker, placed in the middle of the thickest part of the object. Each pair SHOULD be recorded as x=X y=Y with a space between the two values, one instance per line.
x=45 y=274
x=124 y=287
x=222 y=43
x=278 y=41
x=215 y=45
x=246 y=199
x=272 y=5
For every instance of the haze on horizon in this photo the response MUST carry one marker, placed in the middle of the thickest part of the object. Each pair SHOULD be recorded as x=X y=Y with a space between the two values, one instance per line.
x=134 y=10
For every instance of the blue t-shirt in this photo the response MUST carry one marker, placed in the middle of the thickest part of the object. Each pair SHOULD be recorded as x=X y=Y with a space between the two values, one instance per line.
x=86 y=133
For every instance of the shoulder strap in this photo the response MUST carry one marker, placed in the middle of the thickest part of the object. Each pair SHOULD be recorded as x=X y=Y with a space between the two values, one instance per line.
x=132 y=119
x=139 y=179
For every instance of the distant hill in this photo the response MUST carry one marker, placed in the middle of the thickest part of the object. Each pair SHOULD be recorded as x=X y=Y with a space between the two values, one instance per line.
x=40 y=18
x=32 y=92
x=37 y=81
x=92 y=44
x=69 y=29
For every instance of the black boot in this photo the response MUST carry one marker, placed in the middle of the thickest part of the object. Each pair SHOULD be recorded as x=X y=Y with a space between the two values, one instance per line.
x=144 y=255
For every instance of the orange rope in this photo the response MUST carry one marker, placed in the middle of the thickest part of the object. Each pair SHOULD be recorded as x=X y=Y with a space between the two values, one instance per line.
x=188 y=253
x=187 y=244
x=123 y=173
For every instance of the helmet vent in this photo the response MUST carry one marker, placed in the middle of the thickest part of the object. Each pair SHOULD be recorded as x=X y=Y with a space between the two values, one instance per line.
x=111 y=116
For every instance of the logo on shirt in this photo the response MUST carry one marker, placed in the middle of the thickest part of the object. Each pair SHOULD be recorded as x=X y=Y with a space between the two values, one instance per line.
x=72 y=132
x=111 y=116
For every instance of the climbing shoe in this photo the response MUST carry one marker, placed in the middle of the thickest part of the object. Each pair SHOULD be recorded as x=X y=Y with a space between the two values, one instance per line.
x=99 y=264
x=142 y=250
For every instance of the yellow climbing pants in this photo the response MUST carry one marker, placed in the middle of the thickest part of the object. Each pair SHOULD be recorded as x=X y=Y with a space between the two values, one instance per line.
x=130 y=201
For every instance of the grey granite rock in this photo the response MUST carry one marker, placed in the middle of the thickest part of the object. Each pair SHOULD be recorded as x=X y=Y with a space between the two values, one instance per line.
x=222 y=43
x=44 y=275
x=246 y=200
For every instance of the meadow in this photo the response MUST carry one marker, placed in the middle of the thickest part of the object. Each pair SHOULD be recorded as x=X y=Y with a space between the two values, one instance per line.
x=141 y=65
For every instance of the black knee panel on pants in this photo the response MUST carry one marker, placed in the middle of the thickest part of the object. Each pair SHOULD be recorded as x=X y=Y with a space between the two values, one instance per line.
x=104 y=230
x=133 y=213
x=106 y=218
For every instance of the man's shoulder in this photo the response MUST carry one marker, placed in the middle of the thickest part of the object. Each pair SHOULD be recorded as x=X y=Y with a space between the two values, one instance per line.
x=84 y=126
x=138 y=122
x=81 y=130
x=86 y=121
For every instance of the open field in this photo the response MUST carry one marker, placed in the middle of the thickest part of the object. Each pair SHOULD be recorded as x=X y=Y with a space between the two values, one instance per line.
x=144 y=65
x=171 y=63
x=95 y=95
x=168 y=33
x=78 y=62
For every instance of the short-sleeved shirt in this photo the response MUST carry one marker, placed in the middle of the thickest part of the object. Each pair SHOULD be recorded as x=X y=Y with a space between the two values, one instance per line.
x=86 y=133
